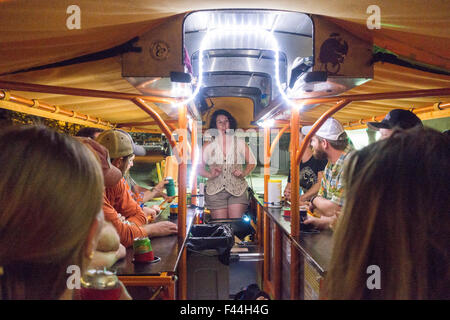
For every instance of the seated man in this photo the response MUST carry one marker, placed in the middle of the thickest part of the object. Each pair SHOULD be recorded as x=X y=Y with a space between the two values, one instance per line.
x=140 y=194
x=395 y=119
x=118 y=206
x=330 y=142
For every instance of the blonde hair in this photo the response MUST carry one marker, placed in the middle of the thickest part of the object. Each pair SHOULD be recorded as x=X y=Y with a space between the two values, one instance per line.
x=396 y=217
x=51 y=189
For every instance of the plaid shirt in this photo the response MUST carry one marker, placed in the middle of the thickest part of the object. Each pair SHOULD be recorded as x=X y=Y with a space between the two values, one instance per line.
x=331 y=185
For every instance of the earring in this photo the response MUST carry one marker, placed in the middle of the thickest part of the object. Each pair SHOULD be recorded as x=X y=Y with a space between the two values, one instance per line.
x=91 y=255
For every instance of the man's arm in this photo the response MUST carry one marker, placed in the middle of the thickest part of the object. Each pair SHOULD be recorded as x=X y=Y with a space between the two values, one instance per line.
x=126 y=205
x=326 y=207
x=160 y=229
x=157 y=191
x=126 y=230
x=322 y=222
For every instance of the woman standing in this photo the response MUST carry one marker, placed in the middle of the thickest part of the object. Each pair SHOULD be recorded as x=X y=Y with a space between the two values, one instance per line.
x=229 y=161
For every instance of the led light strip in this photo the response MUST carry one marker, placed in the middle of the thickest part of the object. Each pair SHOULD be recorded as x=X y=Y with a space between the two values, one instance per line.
x=241 y=29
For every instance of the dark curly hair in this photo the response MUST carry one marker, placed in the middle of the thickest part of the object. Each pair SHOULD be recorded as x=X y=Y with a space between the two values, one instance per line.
x=231 y=119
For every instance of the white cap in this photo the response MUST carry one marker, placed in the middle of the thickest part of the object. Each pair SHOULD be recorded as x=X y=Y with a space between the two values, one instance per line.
x=331 y=129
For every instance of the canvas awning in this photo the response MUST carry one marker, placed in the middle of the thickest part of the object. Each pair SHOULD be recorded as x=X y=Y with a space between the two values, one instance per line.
x=35 y=34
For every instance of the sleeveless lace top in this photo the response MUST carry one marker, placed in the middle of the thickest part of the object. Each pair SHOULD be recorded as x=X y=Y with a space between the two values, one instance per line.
x=234 y=159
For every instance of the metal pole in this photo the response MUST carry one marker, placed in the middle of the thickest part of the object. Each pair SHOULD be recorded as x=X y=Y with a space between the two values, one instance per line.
x=182 y=206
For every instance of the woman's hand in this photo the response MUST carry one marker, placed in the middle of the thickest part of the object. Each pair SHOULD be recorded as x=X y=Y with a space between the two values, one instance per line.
x=238 y=173
x=215 y=172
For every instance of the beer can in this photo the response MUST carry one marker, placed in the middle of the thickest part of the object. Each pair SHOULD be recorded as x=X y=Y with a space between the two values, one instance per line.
x=100 y=284
x=142 y=250
x=170 y=187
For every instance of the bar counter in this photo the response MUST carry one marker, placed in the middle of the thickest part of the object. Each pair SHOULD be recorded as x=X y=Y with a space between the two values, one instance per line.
x=164 y=273
x=316 y=247
x=166 y=248
x=313 y=250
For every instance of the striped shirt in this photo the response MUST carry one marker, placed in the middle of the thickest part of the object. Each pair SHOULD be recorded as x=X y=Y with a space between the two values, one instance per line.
x=331 y=186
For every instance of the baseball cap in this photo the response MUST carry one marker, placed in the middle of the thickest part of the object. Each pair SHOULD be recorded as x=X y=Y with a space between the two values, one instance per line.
x=331 y=129
x=117 y=142
x=401 y=118
x=111 y=174
x=137 y=149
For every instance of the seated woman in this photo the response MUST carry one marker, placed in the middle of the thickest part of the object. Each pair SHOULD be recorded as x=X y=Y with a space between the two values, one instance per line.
x=50 y=211
x=225 y=156
x=391 y=242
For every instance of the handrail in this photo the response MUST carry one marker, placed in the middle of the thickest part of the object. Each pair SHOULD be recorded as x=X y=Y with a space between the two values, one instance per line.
x=7 y=96
x=164 y=128
x=377 y=96
x=277 y=138
x=20 y=86
x=417 y=111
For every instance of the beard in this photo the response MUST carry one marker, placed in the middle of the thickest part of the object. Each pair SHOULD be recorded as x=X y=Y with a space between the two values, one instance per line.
x=319 y=154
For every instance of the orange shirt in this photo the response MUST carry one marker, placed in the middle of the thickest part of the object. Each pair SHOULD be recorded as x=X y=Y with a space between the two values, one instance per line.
x=117 y=200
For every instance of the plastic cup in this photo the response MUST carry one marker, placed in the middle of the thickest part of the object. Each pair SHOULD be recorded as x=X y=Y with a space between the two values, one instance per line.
x=144 y=257
x=142 y=250
x=303 y=213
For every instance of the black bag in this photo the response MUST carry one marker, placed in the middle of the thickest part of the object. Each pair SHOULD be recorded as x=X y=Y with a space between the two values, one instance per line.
x=212 y=236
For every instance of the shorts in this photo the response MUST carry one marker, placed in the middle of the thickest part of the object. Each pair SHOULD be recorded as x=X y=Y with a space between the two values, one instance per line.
x=223 y=199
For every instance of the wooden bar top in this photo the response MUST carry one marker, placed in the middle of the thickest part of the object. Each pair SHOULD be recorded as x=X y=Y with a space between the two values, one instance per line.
x=166 y=248
x=316 y=247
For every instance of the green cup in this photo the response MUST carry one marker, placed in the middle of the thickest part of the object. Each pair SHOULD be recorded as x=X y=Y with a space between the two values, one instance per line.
x=170 y=187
